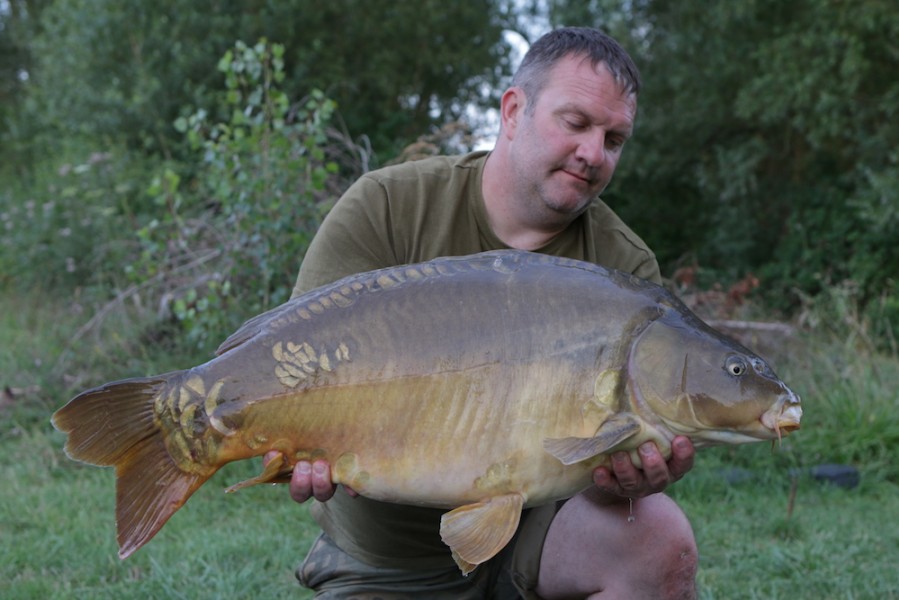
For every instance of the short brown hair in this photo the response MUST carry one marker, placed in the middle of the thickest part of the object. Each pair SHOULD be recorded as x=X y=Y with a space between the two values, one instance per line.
x=577 y=41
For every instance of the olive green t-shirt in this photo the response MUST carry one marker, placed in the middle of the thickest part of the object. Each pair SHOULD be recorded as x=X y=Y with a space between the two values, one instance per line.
x=406 y=214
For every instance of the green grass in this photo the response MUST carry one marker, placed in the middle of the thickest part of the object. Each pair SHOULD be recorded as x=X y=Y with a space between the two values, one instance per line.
x=836 y=543
x=60 y=519
x=57 y=517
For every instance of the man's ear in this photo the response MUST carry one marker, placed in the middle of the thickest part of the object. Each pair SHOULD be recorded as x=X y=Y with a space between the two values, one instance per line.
x=511 y=109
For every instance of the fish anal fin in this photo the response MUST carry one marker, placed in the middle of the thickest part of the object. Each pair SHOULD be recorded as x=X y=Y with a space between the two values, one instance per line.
x=277 y=470
x=611 y=433
x=477 y=532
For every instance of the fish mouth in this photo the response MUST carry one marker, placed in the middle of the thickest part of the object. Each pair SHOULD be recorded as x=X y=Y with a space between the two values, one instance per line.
x=784 y=417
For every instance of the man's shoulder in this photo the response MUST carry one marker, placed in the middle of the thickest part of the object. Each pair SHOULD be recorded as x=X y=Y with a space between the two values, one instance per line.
x=443 y=166
x=602 y=219
x=617 y=245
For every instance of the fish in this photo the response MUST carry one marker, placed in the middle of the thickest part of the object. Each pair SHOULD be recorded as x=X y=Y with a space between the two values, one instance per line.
x=481 y=384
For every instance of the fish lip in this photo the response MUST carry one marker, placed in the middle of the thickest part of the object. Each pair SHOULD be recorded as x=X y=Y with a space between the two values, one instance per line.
x=785 y=415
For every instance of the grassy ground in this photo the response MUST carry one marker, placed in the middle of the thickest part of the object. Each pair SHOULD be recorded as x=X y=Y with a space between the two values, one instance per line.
x=58 y=534
x=836 y=543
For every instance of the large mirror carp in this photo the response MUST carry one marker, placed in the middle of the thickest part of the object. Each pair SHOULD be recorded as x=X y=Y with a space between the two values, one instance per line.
x=481 y=384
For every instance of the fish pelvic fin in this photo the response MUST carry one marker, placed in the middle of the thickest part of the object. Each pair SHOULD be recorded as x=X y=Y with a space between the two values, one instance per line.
x=114 y=425
x=477 y=532
x=277 y=470
x=611 y=433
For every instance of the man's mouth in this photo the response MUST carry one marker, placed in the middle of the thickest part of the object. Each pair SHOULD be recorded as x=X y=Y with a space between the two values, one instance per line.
x=581 y=177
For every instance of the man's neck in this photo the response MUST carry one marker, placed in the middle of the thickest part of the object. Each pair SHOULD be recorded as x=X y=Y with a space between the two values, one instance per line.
x=503 y=216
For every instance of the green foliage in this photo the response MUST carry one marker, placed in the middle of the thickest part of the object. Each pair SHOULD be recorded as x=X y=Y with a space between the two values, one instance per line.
x=66 y=228
x=399 y=68
x=230 y=246
x=841 y=312
x=766 y=138
x=126 y=70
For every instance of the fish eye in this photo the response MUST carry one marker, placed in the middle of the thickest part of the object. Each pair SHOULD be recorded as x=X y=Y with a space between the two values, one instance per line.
x=735 y=365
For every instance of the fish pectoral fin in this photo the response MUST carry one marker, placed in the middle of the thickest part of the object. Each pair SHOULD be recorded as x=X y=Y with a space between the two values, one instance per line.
x=477 y=532
x=276 y=471
x=611 y=433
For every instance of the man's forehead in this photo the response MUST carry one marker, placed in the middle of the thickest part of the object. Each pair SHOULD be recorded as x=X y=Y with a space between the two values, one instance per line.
x=576 y=84
x=583 y=66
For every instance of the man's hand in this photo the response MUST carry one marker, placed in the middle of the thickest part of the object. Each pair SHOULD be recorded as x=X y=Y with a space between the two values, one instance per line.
x=624 y=480
x=311 y=480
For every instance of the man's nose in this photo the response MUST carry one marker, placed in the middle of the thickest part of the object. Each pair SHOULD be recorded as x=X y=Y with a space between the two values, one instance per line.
x=592 y=148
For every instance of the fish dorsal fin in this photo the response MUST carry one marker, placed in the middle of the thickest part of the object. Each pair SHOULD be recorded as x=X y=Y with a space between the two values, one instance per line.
x=477 y=532
x=612 y=432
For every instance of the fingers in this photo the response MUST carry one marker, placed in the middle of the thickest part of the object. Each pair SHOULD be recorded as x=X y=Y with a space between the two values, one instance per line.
x=607 y=485
x=682 y=453
x=623 y=479
x=311 y=480
x=656 y=476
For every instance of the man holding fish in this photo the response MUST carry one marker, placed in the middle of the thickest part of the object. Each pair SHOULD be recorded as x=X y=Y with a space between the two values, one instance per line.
x=564 y=122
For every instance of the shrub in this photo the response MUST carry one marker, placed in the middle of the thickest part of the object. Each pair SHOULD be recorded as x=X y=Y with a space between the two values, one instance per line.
x=228 y=244
x=62 y=227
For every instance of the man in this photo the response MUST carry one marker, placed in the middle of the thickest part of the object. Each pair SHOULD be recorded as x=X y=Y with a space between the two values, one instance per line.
x=564 y=122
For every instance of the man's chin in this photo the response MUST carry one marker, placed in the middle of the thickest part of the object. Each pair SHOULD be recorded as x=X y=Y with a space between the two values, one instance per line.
x=569 y=208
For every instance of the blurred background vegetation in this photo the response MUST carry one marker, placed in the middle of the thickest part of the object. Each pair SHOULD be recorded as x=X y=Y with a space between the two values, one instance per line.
x=146 y=155
x=164 y=164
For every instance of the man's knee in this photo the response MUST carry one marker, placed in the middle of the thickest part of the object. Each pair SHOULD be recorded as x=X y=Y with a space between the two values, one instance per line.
x=668 y=547
x=598 y=549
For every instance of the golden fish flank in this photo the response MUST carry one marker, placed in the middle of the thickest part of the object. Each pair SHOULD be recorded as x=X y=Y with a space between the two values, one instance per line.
x=297 y=361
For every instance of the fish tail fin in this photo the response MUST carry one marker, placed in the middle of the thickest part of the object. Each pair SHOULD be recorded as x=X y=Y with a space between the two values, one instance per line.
x=114 y=425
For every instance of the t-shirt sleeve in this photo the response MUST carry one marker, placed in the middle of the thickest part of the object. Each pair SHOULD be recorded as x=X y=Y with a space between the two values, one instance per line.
x=353 y=238
x=614 y=244
x=649 y=269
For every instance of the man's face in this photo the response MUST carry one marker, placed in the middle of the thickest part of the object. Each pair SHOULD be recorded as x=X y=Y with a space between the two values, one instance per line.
x=565 y=149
